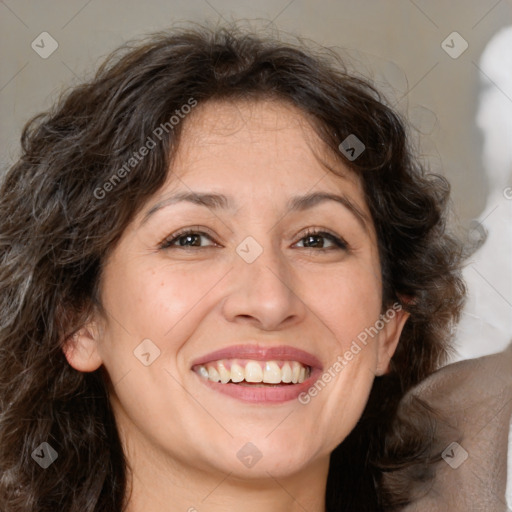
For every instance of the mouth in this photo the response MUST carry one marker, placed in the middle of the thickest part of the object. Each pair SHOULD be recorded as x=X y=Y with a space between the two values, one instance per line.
x=256 y=374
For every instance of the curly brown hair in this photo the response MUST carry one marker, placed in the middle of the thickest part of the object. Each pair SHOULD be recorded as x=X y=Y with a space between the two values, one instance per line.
x=55 y=234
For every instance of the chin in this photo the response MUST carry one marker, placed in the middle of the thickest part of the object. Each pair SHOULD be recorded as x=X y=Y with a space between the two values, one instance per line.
x=264 y=457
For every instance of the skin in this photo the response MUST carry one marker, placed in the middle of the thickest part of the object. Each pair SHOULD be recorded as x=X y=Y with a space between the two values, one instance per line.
x=180 y=437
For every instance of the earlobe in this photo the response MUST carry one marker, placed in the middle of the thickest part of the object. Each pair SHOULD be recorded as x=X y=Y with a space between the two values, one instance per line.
x=81 y=350
x=389 y=338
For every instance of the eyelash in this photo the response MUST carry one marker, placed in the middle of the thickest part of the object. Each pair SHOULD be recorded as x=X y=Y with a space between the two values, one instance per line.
x=339 y=243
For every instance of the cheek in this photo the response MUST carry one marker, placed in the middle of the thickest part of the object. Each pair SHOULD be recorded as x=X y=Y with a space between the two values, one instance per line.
x=355 y=387
x=163 y=303
x=339 y=403
x=150 y=300
x=348 y=301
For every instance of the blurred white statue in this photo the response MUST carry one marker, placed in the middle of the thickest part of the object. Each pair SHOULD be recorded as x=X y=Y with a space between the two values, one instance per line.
x=486 y=325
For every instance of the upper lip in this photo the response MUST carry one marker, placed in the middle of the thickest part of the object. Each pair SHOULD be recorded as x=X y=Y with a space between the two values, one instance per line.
x=261 y=353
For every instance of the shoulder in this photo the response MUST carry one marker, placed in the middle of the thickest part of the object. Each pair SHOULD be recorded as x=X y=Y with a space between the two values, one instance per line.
x=495 y=369
x=471 y=404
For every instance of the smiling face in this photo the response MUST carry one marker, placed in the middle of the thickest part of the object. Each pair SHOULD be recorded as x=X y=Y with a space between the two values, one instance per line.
x=252 y=280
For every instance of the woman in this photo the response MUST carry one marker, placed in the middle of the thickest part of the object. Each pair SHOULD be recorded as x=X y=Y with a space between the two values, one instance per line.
x=222 y=271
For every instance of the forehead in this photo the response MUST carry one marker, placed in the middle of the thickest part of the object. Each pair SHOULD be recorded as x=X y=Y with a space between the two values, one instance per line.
x=219 y=118
x=263 y=141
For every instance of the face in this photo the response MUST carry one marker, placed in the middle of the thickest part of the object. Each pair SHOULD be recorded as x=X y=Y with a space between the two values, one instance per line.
x=253 y=285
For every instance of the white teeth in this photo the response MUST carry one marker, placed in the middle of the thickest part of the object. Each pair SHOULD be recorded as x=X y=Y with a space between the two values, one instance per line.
x=267 y=372
x=272 y=373
x=203 y=372
x=224 y=374
x=286 y=373
x=237 y=373
x=213 y=374
x=253 y=372
x=295 y=372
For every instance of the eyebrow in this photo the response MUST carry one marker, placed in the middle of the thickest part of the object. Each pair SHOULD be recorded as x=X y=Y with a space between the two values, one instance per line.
x=297 y=203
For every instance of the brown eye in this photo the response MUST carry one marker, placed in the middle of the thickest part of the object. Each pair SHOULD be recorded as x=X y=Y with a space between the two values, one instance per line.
x=185 y=239
x=313 y=239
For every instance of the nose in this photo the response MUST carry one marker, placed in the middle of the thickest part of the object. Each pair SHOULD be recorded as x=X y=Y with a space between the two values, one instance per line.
x=264 y=292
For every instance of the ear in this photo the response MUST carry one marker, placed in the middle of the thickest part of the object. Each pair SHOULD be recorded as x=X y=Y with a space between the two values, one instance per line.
x=394 y=320
x=81 y=349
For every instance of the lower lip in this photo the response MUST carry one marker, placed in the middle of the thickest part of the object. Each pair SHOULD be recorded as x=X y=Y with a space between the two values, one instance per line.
x=263 y=394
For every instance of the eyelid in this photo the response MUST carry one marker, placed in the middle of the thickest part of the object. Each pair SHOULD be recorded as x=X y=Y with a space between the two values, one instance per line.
x=338 y=241
x=196 y=230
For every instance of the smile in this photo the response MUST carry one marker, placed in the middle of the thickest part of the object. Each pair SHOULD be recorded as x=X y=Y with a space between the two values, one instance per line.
x=257 y=374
